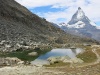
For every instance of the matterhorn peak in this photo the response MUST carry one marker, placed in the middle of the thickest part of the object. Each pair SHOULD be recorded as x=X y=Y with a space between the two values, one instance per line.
x=79 y=8
x=81 y=25
x=80 y=11
x=79 y=18
x=79 y=14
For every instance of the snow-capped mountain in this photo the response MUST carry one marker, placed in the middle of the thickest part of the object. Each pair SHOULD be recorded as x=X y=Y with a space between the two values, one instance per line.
x=81 y=25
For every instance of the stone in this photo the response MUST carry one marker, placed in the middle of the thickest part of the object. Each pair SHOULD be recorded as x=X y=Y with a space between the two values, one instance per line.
x=67 y=61
x=21 y=62
x=7 y=46
x=53 y=60
x=9 y=61
x=64 y=59
x=33 y=54
x=77 y=60
x=13 y=58
x=57 y=59
x=39 y=62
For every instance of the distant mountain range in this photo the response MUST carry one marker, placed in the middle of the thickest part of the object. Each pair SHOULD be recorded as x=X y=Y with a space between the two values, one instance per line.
x=82 y=26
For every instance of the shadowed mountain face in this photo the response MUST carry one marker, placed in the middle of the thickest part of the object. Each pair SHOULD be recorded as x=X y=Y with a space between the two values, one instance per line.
x=18 y=24
x=81 y=25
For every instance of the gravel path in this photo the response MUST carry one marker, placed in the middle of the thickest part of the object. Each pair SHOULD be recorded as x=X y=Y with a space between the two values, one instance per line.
x=33 y=70
x=98 y=56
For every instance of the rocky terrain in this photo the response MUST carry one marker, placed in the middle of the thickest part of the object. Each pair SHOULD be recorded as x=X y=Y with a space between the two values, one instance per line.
x=20 y=27
x=93 y=69
x=90 y=68
x=64 y=70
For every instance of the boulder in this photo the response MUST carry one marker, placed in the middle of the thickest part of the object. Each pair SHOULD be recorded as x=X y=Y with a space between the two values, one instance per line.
x=53 y=60
x=57 y=59
x=77 y=60
x=12 y=60
x=64 y=59
x=40 y=62
x=21 y=62
x=9 y=61
x=67 y=61
x=33 y=54
x=73 y=60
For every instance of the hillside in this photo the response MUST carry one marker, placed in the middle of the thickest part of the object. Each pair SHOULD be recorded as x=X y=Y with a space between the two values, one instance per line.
x=19 y=25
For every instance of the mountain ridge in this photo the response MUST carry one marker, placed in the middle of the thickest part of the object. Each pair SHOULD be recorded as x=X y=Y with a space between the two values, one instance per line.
x=82 y=26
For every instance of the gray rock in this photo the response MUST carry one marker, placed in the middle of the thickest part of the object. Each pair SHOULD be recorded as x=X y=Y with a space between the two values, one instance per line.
x=33 y=54
x=9 y=61
x=77 y=60
x=40 y=63
x=64 y=59
x=73 y=60
x=53 y=60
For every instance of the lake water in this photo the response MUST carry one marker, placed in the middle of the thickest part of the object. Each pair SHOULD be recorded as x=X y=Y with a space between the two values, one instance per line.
x=57 y=52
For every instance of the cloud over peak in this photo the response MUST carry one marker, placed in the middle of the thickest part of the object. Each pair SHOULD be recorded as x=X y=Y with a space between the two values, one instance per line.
x=69 y=7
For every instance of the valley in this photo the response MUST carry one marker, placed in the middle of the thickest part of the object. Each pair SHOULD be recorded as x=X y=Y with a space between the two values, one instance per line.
x=32 y=45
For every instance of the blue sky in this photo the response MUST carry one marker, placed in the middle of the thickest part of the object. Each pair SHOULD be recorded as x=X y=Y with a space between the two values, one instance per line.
x=58 y=11
x=45 y=9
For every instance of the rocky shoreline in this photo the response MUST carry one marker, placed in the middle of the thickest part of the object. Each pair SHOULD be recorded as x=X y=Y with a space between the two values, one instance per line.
x=76 y=66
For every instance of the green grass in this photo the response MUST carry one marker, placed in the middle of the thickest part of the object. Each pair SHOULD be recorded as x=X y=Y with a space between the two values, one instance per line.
x=88 y=56
x=23 y=55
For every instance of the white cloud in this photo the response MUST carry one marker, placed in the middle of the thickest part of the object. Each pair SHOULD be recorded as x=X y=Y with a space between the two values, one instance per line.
x=39 y=3
x=90 y=7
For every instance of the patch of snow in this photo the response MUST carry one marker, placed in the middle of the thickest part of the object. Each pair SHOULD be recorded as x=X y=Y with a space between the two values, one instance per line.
x=98 y=27
x=79 y=24
x=92 y=23
x=62 y=24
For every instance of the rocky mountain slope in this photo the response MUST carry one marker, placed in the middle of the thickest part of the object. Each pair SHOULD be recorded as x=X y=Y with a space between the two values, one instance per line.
x=19 y=25
x=81 y=25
